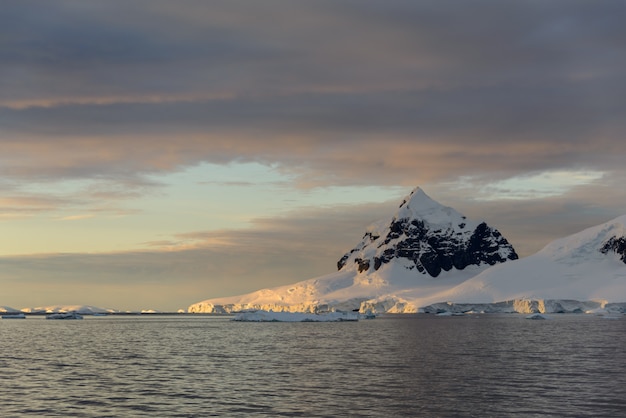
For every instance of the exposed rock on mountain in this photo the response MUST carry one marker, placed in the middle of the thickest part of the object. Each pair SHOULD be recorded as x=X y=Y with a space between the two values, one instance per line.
x=616 y=245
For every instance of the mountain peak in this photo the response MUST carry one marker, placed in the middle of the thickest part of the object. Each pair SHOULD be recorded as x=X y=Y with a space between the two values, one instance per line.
x=429 y=237
x=418 y=205
x=418 y=199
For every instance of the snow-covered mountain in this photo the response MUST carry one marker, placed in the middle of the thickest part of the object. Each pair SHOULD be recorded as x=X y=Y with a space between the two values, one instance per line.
x=430 y=258
x=424 y=249
x=429 y=237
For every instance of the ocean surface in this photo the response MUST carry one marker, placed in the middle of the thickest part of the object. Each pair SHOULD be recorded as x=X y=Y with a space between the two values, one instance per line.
x=413 y=365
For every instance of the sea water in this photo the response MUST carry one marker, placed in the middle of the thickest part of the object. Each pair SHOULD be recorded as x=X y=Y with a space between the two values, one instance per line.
x=410 y=365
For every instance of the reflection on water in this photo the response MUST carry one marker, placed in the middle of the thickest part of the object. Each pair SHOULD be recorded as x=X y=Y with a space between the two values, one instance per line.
x=422 y=365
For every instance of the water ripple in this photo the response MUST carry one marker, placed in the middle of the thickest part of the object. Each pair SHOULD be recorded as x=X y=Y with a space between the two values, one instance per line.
x=187 y=366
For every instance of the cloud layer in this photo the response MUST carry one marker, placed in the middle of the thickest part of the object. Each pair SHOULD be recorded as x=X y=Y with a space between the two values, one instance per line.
x=401 y=92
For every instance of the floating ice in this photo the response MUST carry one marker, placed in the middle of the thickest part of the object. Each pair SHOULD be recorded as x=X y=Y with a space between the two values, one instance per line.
x=536 y=316
x=269 y=316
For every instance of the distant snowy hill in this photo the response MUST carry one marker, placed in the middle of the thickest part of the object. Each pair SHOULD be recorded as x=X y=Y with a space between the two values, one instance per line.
x=424 y=249
x=81 y=309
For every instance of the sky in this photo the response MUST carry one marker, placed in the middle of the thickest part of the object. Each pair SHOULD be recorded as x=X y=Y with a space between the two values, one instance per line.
x=154 y=154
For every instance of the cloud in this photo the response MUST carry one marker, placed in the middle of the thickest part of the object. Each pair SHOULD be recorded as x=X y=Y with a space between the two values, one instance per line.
x=362 y=93
x=19 y=206
x=300 y=138
x=351 y=93
x=77 y=217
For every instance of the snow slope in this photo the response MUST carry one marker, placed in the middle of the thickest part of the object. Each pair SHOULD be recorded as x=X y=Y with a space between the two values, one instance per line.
x=586 y=266
x=424 y=249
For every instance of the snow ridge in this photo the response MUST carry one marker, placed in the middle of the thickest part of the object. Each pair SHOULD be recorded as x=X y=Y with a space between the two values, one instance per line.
x=591 y=243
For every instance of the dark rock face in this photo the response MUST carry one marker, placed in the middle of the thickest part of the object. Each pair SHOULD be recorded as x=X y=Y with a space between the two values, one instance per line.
x=342 y=261
x=432 y=251
x=617 y=245
x=364 y=265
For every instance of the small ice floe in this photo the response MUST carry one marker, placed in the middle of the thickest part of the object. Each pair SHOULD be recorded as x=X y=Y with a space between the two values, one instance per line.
x=472 y=312
x=605 y=313
x=64 y=315
x=269 y=316
x=15 y=315
x=536 y=316
x=448 y=313
x=597 y=311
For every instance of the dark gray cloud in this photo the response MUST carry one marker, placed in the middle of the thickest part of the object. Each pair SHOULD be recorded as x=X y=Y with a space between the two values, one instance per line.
x=477 y=87
x=156 y=47
x=457 y=131
x=352 y=92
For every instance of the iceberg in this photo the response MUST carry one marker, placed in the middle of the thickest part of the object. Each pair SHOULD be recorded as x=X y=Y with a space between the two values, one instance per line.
x=270 y=316
x=16 y=315
x=64 y=315
x=536 y=316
